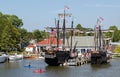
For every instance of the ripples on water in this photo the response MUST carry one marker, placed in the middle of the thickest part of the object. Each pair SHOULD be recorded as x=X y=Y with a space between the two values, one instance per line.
x=17 y=69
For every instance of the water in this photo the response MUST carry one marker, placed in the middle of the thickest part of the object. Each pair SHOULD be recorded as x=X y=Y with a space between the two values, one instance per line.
x=17 y=69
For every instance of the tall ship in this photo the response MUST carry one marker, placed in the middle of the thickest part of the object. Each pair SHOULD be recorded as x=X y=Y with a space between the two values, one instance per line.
x=55 y=56
x=99 y=55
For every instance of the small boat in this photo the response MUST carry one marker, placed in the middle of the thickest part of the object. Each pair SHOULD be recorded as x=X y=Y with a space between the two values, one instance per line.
x=28 y=66
x=3 y=58
x=15 y=57
x=72 y=62
x=39 y=71
x=41 y=57
x=31 y=56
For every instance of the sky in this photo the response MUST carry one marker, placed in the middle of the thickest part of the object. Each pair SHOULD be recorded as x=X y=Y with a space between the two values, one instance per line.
x=38 y=14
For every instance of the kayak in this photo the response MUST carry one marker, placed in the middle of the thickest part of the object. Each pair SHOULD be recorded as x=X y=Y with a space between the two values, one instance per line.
x=39 y=71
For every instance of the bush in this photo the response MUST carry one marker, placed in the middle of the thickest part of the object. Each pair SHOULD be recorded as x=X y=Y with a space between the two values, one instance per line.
x=117 y=49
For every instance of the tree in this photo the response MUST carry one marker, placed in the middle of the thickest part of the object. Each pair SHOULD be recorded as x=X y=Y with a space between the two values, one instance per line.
x=14 y=20
x=116 y=35
x=37 y=34
x=9 y=30
x=3 y=23
x=9 y=37
x=44 y=34
x=24 y=41
x=0 y=14
x=79 y=26
x=23 y=38
x=113 y=27
x=117 y=49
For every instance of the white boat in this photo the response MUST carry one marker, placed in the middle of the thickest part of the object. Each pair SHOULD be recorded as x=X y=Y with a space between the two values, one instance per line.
x=15 y=57
x=3 y=58
x=72 y=62
x=41 y=57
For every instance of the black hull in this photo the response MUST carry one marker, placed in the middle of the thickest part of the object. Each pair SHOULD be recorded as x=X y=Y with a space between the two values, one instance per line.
x=99 y=58
x=52 y=61
x=56 y=58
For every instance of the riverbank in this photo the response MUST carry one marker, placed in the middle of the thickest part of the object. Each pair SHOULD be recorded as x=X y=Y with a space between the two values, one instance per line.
x=116 y=55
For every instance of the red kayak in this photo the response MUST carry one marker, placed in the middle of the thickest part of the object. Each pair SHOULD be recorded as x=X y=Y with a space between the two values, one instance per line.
x=39 y=71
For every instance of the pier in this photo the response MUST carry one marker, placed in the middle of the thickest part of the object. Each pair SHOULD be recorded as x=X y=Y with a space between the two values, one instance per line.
x=78 y=61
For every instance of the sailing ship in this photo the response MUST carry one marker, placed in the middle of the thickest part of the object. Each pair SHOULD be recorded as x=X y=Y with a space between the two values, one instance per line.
x=60 y=56
x=99 y=55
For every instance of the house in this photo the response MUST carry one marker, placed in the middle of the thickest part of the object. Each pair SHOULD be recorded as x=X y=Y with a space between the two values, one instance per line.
x=32 y=48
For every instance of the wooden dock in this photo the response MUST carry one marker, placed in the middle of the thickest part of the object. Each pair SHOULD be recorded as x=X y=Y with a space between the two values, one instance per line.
x=77 y=61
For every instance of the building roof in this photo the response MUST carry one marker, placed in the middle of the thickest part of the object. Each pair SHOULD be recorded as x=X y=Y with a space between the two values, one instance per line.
x=83 y=41
x=49 y=41
x=30 y=46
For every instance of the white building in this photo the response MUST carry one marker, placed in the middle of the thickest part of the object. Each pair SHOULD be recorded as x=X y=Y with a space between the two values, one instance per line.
x=84 y=43
x=32 y=48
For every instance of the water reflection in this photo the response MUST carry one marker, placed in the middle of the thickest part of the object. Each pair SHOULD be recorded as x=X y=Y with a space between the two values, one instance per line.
x=100 y=66
x=60 y=71
x=55 y=68
x=11 y=65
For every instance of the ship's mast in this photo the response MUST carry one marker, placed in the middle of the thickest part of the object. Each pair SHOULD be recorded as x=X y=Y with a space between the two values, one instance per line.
x=64 y=24
x=71 y=35
x=57 y=33
x=98 y=36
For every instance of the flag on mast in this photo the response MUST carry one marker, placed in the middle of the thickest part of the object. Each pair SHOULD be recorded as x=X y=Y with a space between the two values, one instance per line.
x=53 y=31
x=67 y=8
x=102 y=18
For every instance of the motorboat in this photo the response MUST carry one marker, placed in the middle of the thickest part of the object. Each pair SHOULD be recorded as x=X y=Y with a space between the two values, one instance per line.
x=3 y=58
x=15 y=57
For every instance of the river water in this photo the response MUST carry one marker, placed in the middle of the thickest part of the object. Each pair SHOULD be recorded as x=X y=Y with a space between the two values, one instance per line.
x=18 y=69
